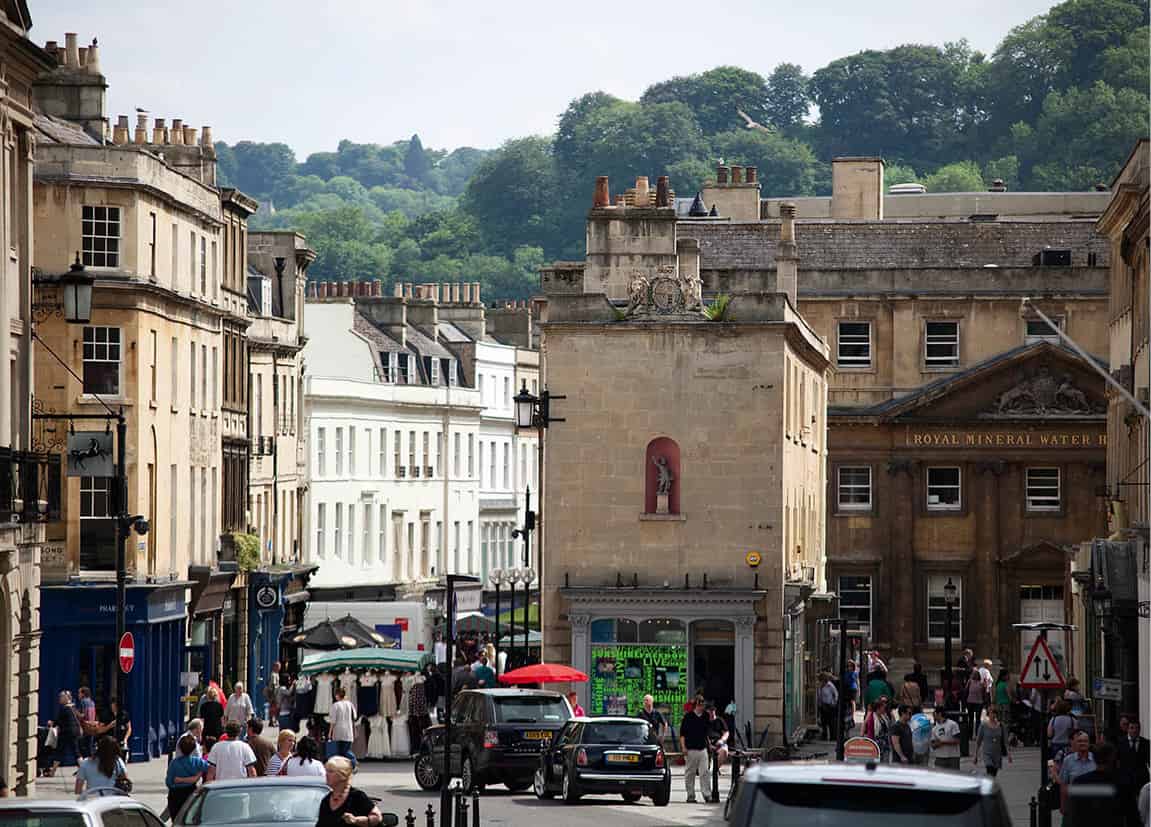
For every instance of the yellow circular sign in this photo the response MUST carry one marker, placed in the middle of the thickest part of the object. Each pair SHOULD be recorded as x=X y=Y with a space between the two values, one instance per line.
x=753 y=558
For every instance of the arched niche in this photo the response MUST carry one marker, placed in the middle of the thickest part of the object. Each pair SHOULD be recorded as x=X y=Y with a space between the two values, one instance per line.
x=661 y=450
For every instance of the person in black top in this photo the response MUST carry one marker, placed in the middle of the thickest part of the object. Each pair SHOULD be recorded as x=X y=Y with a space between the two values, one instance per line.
x=902 y=743
x=657 y=724
x=345 y=804
x=716 y=734
x=68 y=730
x=1117 y=809
x=693 y=732
x=212 y=711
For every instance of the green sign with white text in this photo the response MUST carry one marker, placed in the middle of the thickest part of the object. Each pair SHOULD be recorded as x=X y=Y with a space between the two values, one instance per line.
x=622 y=674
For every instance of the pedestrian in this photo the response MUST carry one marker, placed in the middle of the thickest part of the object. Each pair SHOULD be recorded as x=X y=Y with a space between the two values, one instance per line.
x=1001 y=697
x=485 y=676
x=118 y=724
x=102 y=770
x=693 y=731
x=342 y=722
x=1061 y=727
x=345 y=805
x=909 y=694
x=261 y=746
x=902 y=743
x=68 y=731
x=1134 y=754
x=87 y=710
x=232 y=757
x=271 y=697
x=286 y=704
x=991 y=743
x=196 y=730
x=828 y=707
x=852 y=699
x=285 y=743
x=974 y=697
x=656 y=723
x=717 y=734
x=239 y=707
x=945 y=741
x=919 y=678
x=212 y=713
x=1075 y=763
x=184 y=773
x=878 y=687
x=1118 y=809
x=306 y=761
x=573 y=700
x=877 y=727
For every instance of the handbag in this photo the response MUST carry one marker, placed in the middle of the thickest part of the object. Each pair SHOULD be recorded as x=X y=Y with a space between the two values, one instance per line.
x=52 y=738
x=123 y=783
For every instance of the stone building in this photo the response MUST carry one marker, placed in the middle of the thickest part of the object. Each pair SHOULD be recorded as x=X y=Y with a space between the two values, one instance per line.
x=683 y=495
x=966 y=442
x=21 y=470
x=141 y=210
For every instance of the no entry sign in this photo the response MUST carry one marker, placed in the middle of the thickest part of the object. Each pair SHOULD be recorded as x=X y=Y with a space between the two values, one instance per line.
x=860 y=749
x=127 y=651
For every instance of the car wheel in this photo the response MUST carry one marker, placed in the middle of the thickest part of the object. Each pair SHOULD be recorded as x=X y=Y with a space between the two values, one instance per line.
x=662 y=795
x=518 y=785
x=570 y=789
x=427 y=773
x=631 y=798
x=540 y=786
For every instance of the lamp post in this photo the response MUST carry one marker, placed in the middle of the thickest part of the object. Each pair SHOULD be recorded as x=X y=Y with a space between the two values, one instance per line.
x=450 y=612
x=527 y=574
x=496 y=577
x=950 y=594
x=511 y=577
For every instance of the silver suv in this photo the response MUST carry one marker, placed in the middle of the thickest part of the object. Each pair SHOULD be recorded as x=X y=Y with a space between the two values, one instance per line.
x=858 y=795
x=98 y=808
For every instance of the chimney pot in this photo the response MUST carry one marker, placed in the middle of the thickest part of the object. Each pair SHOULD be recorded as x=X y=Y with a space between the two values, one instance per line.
x=642 y=191
x=751 y=175
x=92 y=63
x=454 y=289
x=662 y=189
x=736 y=174
x=206 y=136
x=189 y=136
x=71 y=51
x=721 y=174
x=177 y=132
x=158 y=131
x=602 y=192
x=787 y=222
x=476 y=292
x=397 y=290
x=52 y=47
x=407 y=290
x=82 y=54
x=141 y=136
x=377 y=288
x=322 y=290
x=619 y=200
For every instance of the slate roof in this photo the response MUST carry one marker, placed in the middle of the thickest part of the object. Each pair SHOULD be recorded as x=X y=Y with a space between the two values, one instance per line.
x=59 y=131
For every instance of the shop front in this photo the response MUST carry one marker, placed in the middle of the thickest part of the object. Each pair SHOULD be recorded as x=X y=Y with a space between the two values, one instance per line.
x=78 y=648
x=296 y=598
x=204 y=654
x=671 y=645
x=265 y=620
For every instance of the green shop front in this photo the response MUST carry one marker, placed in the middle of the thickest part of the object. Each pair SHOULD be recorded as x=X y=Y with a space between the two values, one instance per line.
x=669 y=644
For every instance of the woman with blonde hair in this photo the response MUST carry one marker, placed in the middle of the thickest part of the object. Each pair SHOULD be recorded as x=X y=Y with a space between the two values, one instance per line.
x=212 y=713
x=345 y=804
x=285 y=743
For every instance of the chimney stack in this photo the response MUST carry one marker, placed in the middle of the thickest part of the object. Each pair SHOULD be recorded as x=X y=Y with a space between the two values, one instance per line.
x=53 y=48
x=158 y=132
x=120 y=134
x=662 y=189
x=751 y=175
x=71 y=51
x=721 y=174
x=602 y=192
x=736 y=174
x=787 y=259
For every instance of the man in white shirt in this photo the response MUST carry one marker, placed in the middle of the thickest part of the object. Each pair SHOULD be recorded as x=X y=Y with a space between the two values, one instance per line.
x=342 y=717
x=945 y=741
x=196 y=730
x=231 y=758
x=828 y=708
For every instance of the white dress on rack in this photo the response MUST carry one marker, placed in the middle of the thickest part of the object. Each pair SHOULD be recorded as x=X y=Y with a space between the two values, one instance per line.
x=401 y=738
x=379 y=743
x=388 y=695
x=323 y=684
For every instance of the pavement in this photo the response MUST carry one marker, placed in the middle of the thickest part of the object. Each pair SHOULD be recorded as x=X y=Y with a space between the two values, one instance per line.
x=393 y=783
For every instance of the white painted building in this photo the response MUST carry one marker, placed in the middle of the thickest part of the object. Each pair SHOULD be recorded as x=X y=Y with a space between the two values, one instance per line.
x=413 y=460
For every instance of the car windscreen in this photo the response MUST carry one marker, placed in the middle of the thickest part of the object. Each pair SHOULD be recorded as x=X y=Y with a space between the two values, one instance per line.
x=255 y=805
x=614 y=732
x=531 y=710
x=833 y=805
x=40 y=818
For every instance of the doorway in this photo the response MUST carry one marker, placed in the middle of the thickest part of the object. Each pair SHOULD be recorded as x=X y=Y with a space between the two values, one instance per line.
x=713 y=661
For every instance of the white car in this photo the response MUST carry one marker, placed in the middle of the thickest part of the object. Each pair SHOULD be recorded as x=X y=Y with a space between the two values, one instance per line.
x=97 y=808
x=830 y=794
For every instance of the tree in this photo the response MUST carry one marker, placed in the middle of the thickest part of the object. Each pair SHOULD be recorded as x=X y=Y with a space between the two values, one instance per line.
x=715 y=96
x=416 y=163
x=260 y=168
x=513 y=196
x=897 y=174
x=226 y=167
x=788 y=97
x=1006 y=169
x=961 y=176
x=786 y=166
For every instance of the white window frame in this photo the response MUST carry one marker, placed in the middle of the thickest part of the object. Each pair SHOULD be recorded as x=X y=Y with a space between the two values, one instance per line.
x=453 y=373
x=100 y=227
x=957 y=486
x=940 y=339
x=852 y=361
x=339 y=452
x=857 y=607
x=382 y=535
x=365 y=557
x=320 y=509
x=935 y=584
x=339 y=544
x=351 y=533
x=1038 y=488
x=1045 y=334
x=841 y=487
x=321 y=457
x=435 y=370
x=352 y=451
x=104 y=352
x=383 y=453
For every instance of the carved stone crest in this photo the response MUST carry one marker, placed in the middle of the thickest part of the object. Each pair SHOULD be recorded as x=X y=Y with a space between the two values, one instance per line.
x=665 y=293
x=1044 y=394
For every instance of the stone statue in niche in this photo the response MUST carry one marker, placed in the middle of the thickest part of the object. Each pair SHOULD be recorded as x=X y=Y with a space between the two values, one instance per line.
x=664 y=479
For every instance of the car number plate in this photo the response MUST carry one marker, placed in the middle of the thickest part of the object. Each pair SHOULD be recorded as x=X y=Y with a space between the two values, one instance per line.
x=538 y=735
x=622 y=758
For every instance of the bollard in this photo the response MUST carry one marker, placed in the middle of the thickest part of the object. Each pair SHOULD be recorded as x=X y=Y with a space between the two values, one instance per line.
x=430 y=815
x=476 y=807
x=734 y=770
x=714 y=778
x=462 y=810
x=410 y=819
x=1033 y=806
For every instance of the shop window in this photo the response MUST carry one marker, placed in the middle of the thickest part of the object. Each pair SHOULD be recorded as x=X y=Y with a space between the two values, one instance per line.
x=613 y=630
x=661 y=475
x=943 y=489
x=855 y=601
x=663 y=630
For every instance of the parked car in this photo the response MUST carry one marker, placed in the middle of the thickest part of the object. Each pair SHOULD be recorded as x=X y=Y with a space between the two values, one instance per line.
x=861 y=795
x=497 y=737
x=286 y=801
x=604 y=755
x=97 y=808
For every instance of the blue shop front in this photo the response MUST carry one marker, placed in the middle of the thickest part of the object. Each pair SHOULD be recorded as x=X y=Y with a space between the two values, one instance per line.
x=276 y=600
x=78 y=648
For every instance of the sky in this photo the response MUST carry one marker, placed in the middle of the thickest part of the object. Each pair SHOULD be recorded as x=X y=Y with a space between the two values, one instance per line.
x=462 y=72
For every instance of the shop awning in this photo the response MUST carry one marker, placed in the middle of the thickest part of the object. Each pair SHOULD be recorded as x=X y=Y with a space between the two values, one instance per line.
x=403 y=660
x=210 y=591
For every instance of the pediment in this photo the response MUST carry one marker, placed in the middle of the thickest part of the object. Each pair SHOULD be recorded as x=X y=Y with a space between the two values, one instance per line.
x=1042 y=382
x=1044 y=553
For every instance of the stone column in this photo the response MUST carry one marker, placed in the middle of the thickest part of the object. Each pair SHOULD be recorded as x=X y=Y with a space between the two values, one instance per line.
x=985 y=588
x=899 y=565
x=744 y=689
x=581 y=650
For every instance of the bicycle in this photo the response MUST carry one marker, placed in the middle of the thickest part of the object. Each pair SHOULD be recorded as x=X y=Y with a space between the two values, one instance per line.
x=743 y=758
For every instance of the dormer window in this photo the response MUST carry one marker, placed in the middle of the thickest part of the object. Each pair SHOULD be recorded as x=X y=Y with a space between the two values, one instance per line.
x=403 y=374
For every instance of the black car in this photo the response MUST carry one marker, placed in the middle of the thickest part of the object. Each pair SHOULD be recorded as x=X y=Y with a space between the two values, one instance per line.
x=497 y=737
x=604 y=755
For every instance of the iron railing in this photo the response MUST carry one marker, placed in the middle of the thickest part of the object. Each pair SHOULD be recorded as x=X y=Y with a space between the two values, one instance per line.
x=31 y=486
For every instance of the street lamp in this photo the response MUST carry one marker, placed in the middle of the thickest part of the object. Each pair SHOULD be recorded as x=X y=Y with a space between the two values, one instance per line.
x=77 y=288
x=496 y=578
x=527 y=575
x=450 y=627
x=950 y=595
x=511 y=577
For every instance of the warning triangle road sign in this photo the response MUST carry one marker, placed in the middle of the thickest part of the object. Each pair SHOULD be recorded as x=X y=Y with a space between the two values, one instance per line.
x=1040 y=670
